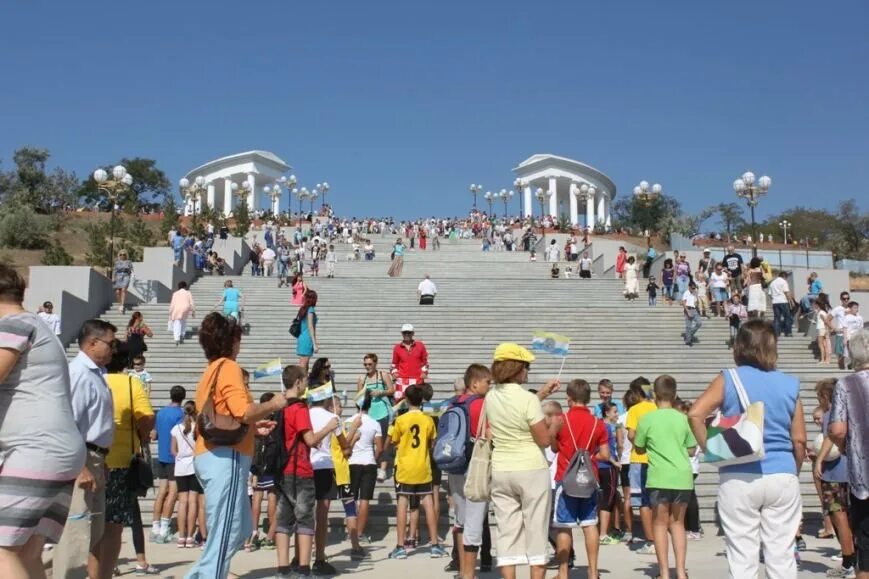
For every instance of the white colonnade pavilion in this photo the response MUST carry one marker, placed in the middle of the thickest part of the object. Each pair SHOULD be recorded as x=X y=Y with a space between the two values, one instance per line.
x=255 y=168
x=569 y=187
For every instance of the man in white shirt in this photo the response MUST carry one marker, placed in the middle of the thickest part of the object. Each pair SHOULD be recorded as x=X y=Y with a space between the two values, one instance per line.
x=692 y=316
x=52 y=320
x=585 y=266
x=780 y=292
x=426 y=291
x=853 y=323
x=78 y=553
x=268 y=261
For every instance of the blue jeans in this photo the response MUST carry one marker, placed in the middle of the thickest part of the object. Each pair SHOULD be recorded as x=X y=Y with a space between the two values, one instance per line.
x=223 y=474
x=806 y=302
x=282 y=268
x=782 y=319
x=682 y=284
x=692 y=324
x=653 y=300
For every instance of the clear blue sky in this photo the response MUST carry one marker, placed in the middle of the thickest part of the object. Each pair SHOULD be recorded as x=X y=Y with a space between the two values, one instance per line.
x=401 y=105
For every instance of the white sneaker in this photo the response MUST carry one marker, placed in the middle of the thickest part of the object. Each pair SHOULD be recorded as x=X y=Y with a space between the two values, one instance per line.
x=849 y=573
x=381 y=474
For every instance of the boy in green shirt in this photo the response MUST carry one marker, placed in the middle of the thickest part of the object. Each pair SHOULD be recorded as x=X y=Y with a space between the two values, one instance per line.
x=666 y=437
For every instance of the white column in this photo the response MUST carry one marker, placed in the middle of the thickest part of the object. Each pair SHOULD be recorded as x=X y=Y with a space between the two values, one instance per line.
x=227 y=197
x=553 y=199
x=601 y=208
x=276 y=206
x=251 y=197
x=574 y=218
x=608 y=211
x=188 y=206
x=529 y=203
x=209 y=198
x=589 y=212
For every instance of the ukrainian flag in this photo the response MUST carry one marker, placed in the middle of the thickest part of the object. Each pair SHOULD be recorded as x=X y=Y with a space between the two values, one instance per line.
x=551 y=343
x=320 y=393
x=270 y=368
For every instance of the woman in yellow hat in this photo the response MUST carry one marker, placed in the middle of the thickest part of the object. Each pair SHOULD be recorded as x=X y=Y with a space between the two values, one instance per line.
x=520 y=475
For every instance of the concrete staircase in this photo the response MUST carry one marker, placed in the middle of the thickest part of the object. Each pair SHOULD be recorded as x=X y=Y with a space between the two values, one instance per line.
x=484 y=299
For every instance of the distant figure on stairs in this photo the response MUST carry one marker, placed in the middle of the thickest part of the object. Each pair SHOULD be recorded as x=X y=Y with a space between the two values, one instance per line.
x=426 y=291
x=397 y=259
x=181 y=307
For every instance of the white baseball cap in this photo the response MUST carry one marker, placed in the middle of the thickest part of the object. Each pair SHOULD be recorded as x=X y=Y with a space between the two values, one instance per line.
x=406 y=328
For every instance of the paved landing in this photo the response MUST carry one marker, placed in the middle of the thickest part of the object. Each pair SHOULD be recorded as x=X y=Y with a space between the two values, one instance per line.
x=705 y=559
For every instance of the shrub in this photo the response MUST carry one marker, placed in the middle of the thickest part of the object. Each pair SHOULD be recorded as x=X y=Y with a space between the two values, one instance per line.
x=56 y=254
x=22 y=228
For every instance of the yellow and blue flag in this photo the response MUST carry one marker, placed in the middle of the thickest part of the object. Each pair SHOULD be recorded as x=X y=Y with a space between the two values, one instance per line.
x=270 y=368
x=551 y=343
x=320 y=393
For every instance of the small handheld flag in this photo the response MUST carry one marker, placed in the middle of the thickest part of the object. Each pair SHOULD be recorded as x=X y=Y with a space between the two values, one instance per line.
x=320 y=393
x=270 y=368
x=551 y=343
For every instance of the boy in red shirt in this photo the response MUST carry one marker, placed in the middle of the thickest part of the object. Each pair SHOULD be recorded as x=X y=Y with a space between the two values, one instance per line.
x=578 y=430
x=296 y=501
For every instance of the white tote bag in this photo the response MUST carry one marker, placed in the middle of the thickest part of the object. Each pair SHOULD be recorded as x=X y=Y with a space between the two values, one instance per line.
x=478 y=481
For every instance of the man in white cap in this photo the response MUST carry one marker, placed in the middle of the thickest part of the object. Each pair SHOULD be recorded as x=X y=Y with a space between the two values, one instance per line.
x=426 y=291
x=409 y=362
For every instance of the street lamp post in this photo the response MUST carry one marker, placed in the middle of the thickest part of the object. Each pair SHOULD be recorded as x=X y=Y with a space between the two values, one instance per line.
x=542 y=197
x=746 y=188
x=785 y=225
x=273 y=192
x=192 y=194
x=520 y=184
x=490 y=198
x=474 y=190
x=313 y=196
x=302 y=194
x=322 y=189
x=112 y=188
x=646 y=195
x=505 y=197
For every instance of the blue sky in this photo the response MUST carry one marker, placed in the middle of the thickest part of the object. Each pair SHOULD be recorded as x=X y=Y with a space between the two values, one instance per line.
x=401 y=105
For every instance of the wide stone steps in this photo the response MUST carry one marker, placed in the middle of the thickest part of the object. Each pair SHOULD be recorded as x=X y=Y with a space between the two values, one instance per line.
x=484 y=299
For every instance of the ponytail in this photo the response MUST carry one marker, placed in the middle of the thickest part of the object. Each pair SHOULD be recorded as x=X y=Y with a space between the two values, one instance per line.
x=189 y=416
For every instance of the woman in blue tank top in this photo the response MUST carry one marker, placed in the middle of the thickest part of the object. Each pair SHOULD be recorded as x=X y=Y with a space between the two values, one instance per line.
x=759 y=502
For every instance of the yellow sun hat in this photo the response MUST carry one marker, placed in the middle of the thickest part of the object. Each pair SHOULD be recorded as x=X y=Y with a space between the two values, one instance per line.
x=511 y=351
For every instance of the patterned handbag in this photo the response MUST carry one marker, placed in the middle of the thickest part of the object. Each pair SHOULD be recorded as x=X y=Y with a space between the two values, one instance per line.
x=735 y=439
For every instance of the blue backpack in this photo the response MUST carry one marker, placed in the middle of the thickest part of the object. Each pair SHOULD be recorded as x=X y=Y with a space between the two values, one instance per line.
x=453 y=446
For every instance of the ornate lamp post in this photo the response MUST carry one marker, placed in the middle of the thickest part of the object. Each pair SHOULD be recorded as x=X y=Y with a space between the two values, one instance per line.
x=646 y=195
x=542 y=197
x=273 y=192
x=583 y=193
x=112 y=188
x=785 y=225
x=505 y=197
x=519 y=185
x=242 y=192
x=302 y=194
x=322 y=189
x=313 y=196
x=474 y=190
x=746 y=188
x=192 y=194
x=490 y=198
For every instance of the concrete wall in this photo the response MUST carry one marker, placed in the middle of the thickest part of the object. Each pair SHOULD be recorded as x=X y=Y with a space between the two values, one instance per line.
x=157 y=276
x=78 y=293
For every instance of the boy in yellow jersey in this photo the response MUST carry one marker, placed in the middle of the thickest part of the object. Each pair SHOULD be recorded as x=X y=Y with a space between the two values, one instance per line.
x=413 y=434
x=342 y=477
x=640 y=462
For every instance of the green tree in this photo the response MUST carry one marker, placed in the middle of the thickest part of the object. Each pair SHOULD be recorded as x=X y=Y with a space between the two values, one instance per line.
x=731 y=216
x=56 y=254
x=655 y=215
x=170 y=216
x=30 y=185
x=150 y=185
x=853 y=230
x=22 y=228
x=242 y=219
x=138 y=233
x=98 y=242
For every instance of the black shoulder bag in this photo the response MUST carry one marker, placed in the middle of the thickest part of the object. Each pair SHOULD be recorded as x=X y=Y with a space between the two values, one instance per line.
x=140 y=477
x=218 y=429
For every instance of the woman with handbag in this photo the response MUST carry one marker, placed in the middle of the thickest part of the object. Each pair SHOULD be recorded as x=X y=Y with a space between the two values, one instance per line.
x=306 y=343
x=227 y=422
x=128 y=463
x=520 y=484
x=759 y=499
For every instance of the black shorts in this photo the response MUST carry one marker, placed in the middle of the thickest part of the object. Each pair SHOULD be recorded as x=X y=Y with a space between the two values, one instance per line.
x=585 y=274
x=363 y=478
x=426 y=300
x=609 y=492
x=624 y=476
x=325 y=487
x=188 y=483
x=859 y=511
x=164 y=470
x=669 y=496
x=413 y=490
